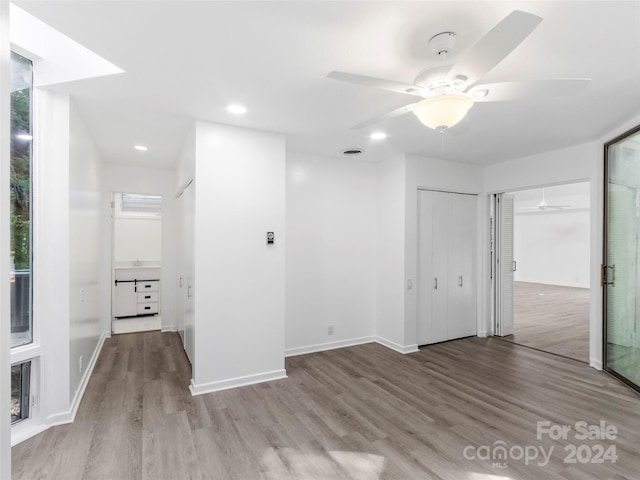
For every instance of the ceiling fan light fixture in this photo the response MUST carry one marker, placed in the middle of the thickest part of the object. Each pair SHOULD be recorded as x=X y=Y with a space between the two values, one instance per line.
x=444 y=110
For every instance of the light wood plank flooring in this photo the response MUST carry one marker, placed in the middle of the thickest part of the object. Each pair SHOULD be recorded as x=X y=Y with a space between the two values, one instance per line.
x=362 y=413
x=552 y=318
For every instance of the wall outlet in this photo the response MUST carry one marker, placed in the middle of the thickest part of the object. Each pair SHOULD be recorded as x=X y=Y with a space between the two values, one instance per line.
x=80 y=364
x=330 y=330
x=82 y=295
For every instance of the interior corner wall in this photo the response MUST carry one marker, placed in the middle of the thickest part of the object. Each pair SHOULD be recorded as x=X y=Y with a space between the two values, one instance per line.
x=240 y=285
x=331 y=252
x=149 y=181
x=51 y=265
x=391 y=179
x=441 y=175
x=87 y=243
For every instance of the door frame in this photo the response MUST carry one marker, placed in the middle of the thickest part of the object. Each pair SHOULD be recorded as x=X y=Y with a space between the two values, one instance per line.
x=603 y=284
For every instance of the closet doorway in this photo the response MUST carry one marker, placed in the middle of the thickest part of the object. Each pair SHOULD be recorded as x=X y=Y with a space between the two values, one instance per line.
x=136 y=262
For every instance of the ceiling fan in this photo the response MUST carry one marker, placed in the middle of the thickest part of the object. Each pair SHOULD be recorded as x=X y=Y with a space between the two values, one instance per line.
x=543 y=205
x=448 y=92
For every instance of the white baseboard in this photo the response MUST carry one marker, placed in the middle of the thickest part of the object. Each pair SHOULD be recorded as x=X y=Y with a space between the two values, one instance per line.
x=404 y=349
x=75 y=403
x=320 y=347
x=236 y=382
x=21 y=434
x=168 y=328
x=596 y=363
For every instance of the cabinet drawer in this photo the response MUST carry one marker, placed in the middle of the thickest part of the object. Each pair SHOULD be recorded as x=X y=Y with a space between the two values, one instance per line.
x=147 y=297
x=144 y=308
x=147 y=286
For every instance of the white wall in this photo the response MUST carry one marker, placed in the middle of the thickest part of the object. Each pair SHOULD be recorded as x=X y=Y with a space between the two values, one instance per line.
x=552 y=246
x=331 y=252
x=137 y=237
x=51 y=246
x=87 y=243
x=240 y=294
x=149 y=181
x=391 y=244
x=442 y=175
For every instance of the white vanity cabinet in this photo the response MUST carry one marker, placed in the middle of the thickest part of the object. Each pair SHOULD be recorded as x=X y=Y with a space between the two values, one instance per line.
x=135 y=292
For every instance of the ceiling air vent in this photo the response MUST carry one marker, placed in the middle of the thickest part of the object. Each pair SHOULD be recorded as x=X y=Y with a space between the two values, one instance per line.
x=352 y=152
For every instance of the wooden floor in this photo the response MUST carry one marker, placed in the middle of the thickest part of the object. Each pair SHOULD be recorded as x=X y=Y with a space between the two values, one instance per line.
x=552 y=318
x=361 y=413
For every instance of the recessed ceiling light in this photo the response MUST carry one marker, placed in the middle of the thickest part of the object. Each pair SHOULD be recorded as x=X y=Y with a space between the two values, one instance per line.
x=378 y=136
x=237 y=109
x=24 y=136
x=142 y=148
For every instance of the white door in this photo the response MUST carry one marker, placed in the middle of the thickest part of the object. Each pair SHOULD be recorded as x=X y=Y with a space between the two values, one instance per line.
x=446 y=266
x=440 y=271
x=455 y=266
x=504 y=265
x=469 y=272
x=462 y=249
x=189 y=270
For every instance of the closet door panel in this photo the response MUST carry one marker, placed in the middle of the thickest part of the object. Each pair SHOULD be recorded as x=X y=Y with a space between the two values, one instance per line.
x=469 y=273
x=440 y=263
x=455 y=264
x=425 y=268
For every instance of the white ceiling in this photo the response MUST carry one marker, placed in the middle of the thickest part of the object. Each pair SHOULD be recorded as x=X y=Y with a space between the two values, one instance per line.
x=187 y=60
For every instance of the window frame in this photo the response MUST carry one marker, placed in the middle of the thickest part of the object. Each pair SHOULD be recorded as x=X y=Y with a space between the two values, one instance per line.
x=25 y=391
x=30 y=353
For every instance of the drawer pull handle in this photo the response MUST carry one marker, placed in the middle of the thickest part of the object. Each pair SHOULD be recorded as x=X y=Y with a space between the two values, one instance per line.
x=147 y=286
x=147 y=296
x=147 y=308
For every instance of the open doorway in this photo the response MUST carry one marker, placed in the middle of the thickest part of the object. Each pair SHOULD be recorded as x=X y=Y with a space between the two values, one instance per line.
x=136 y=262
x=551 y=256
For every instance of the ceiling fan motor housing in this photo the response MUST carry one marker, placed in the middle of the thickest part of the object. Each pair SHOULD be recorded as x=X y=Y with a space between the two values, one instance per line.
x=442 y=43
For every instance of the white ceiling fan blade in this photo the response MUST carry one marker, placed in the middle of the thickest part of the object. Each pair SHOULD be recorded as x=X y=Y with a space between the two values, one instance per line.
x=386 y=116
x=389 y=85
x=507 y=91
x=491 y=49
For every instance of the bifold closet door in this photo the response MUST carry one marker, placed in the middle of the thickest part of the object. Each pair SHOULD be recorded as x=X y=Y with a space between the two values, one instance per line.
x=446 y=266
x=433 y=225
x=441 y=225
x=461 y=321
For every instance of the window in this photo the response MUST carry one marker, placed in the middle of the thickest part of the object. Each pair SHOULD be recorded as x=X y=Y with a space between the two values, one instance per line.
x=20 y=383
x=141 y=204
x=21 y=204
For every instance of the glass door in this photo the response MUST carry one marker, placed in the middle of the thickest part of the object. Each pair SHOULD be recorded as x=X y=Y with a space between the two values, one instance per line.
x=621 y=275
